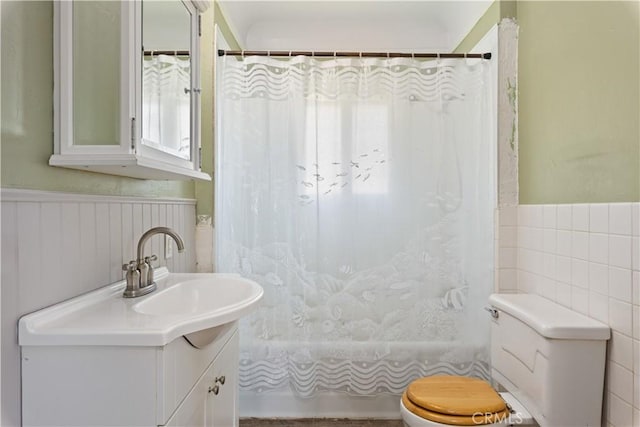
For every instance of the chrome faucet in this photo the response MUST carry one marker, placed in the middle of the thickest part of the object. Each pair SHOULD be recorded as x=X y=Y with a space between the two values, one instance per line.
x=140 y=272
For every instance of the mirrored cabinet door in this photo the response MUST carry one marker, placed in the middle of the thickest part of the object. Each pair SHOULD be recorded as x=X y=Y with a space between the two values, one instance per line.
x=169 y=80
x=127 y=95
x=96 y=71
x=166 y=77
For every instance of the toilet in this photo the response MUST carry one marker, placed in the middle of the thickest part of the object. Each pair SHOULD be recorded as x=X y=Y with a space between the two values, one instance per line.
x=549 y=360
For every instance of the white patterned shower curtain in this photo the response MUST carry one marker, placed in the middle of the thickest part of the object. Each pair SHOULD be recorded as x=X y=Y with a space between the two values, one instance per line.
x=360 y=194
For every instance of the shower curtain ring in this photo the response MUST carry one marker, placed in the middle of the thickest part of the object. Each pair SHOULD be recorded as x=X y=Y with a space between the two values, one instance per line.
x=243 y=54
x=289 y=54
x=269 y=53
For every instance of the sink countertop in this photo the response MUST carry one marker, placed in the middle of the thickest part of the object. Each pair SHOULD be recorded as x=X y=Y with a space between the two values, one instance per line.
x=104 y=317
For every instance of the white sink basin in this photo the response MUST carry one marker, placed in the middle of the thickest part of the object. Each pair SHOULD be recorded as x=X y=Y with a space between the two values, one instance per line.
x=183 y=304
x=199 y=296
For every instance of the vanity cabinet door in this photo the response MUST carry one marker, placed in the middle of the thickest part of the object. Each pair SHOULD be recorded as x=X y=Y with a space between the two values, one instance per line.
x=224 y=400
x=213 y=401
x=194 y=411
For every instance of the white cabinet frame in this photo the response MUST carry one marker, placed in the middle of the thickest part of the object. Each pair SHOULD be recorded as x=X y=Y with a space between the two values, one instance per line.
x=130 y=157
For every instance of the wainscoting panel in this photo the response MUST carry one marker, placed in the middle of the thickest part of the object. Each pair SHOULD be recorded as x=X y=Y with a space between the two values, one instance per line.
x=56 y=246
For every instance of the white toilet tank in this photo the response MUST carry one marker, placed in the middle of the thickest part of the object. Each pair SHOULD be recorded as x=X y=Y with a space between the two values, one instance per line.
x=550 y=358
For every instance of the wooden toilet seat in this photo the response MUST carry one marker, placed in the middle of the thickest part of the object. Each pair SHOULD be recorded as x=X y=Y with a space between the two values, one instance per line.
x=455 y=400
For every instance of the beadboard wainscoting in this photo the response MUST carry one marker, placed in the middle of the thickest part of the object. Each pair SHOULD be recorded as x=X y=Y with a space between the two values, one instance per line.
x=56 y=246
x=587 y=258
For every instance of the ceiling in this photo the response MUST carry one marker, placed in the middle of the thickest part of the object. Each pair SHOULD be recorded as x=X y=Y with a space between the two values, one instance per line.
x=386 y=25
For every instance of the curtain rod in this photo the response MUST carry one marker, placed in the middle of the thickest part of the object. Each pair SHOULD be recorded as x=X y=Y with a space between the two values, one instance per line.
x=222 y=52
x=166 y=52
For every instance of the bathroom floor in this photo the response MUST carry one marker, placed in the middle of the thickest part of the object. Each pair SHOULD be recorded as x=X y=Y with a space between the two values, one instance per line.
x=317 y=422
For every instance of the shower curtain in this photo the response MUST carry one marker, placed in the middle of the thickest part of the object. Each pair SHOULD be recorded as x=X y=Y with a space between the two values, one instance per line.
x=360 y=194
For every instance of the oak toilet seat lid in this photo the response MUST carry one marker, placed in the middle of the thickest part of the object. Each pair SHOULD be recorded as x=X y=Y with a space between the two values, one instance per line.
x=455 y=400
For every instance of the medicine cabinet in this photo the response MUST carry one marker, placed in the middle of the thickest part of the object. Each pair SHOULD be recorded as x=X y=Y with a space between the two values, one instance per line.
x=127 y=87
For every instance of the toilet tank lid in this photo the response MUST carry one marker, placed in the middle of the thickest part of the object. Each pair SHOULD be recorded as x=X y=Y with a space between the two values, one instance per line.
x=549 y=319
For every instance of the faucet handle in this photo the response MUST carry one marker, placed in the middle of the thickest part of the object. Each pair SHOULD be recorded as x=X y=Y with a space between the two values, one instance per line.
x=130 y=266
x=132 y=278
x=148 y=259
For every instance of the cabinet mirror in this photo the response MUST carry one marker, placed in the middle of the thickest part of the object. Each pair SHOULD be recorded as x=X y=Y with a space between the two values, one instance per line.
x=166 y=76
x=96 y=73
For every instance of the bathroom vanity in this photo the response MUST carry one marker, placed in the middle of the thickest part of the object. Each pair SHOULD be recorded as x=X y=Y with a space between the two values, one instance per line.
x=169 y=358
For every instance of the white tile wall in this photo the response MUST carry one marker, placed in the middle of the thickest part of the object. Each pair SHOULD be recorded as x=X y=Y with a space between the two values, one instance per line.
x=579 y=217
x=56 y=246
x=599 y=218
x=585 y=257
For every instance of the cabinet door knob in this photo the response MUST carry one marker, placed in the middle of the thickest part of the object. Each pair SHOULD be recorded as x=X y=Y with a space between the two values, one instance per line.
x=221 y=379
x=215 y=389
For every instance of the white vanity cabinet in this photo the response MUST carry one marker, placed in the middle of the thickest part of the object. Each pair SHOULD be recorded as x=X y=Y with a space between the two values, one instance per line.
x=127 y=87
x=213 y=401
x=174 y=385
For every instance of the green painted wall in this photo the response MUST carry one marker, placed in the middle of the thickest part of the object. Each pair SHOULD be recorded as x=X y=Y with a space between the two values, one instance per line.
x=27 y=114
x=579 y=102
x=213 y=16
x=579 y=98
